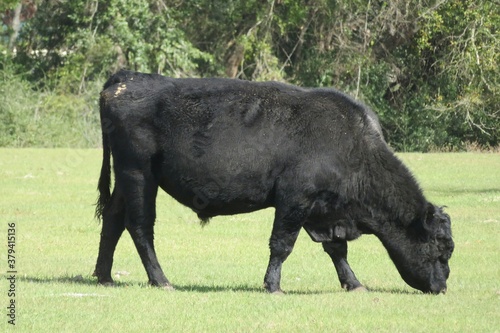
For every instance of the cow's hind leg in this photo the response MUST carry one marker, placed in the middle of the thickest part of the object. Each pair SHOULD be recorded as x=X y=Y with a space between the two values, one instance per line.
x=285 y=232
x=141 y=191
x=113 y=224
x=337 y=250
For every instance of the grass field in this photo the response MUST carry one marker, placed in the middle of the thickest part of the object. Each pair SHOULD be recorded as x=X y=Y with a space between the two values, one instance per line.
x=218 y=270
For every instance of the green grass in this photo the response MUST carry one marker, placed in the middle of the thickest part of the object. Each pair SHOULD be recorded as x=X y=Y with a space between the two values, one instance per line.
x=218 y=270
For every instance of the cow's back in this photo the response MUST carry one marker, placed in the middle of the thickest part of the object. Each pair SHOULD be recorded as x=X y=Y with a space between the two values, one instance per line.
x=221 y=146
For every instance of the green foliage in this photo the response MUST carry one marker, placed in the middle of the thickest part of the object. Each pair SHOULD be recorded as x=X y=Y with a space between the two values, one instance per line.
x=45 y=118
x=429 y=69
x=85 y=40
x=16 y=106
x=457 y=53
x=8 y=4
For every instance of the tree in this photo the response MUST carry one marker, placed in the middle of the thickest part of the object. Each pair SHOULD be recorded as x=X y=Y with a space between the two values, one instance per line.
x=77 y=41
x=13 y=12
x=459 y=43
x=429 y=68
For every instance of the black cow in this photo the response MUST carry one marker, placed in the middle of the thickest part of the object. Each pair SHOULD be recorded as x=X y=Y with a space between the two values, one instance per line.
x=223 y=147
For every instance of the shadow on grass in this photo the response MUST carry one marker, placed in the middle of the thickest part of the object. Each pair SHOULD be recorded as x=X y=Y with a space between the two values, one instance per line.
x=200 y=288
x=77 y=279
x=463 y=190
x=243 y=288
x=394 y=291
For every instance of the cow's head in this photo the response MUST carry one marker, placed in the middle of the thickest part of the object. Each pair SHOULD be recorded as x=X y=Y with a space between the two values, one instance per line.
x=429 y=270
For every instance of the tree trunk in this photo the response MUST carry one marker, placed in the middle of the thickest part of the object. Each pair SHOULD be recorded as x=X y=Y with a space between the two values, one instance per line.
x=16 y=26
x=234 y=59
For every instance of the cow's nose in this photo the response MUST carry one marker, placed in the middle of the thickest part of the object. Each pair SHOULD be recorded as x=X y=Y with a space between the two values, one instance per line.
x=436 y=290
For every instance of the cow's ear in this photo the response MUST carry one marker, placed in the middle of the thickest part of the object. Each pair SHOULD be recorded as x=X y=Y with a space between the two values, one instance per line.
x=431 y=210
x=429 y=215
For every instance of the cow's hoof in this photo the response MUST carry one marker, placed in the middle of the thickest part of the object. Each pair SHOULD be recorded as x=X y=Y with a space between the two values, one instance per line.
x=164 y=285
x=106 y=284
x=358 y=289
x=168 y=287
x=275 y=292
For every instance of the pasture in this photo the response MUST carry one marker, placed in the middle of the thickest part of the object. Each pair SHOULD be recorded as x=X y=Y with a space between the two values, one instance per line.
x=218 y=270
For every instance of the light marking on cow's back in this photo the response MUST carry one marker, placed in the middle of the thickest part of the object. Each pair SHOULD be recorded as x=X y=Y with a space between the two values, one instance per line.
x=121 y=88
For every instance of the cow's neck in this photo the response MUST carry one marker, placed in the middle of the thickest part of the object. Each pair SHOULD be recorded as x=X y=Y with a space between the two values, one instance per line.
x=396 y=209
x=392 y=194
x=404 y=250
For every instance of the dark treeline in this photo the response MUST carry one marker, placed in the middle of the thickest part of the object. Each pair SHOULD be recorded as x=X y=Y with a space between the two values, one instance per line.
x=429 y=68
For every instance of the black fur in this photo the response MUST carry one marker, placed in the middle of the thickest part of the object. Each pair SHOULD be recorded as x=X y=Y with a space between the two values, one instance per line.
x=223 y=147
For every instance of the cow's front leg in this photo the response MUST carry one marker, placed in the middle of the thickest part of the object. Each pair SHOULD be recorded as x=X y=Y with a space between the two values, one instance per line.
x=337 y=250
x=283 y=237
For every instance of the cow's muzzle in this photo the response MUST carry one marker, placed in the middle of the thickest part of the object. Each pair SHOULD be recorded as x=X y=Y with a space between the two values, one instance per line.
x=438 y=290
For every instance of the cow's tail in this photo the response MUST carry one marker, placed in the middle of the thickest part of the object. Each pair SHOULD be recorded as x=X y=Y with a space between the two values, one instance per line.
x=104 y=184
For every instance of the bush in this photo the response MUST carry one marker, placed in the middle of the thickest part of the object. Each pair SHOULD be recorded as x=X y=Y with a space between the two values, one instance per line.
x=46 y=118
x=429 y=69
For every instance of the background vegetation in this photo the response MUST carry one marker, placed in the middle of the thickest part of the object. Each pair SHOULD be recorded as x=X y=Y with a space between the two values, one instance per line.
x=218 y=270
x=429 y=68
